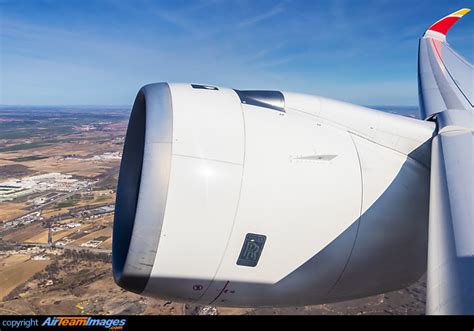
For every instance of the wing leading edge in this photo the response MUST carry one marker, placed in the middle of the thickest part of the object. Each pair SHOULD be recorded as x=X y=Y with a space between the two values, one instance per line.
x=446 y=92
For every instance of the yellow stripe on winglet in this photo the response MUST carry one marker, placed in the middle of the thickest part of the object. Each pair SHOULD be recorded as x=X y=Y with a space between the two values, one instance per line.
x=461 y=12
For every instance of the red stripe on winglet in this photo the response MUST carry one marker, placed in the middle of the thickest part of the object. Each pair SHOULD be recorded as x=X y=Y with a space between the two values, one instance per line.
x=444 y=25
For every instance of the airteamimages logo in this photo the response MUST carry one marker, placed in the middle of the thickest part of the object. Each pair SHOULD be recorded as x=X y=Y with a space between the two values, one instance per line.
x=81 y=321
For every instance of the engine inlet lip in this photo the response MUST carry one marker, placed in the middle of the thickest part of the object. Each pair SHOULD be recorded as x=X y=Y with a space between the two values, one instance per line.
x=142 y=187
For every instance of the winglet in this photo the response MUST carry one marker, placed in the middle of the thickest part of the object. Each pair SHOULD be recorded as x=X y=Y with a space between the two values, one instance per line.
x=440 y=29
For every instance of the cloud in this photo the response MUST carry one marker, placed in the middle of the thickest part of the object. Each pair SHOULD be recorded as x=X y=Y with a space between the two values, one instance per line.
x=169 y=17
x=250 y=21
x=279 y=61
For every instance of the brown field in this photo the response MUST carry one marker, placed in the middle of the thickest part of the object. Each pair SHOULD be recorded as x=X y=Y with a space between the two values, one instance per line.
x=4 y=161
x=25 y=233
x=8 y=261
x=16 y=274
x=69 y=166
x=61 y=234
x=57 y=163
x=15 y=170
x=106 y=244
x=104 y=232
x=40 y=238
x=65 y=233
x=11 y=210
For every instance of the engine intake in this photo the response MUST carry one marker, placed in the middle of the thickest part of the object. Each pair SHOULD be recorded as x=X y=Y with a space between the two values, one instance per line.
x=142 y=187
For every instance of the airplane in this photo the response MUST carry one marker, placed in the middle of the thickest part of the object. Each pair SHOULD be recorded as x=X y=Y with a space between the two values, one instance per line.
x=244 y=198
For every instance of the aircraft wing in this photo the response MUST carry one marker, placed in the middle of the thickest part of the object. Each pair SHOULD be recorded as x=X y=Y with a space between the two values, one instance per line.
x=446 y=92
x=445 y=77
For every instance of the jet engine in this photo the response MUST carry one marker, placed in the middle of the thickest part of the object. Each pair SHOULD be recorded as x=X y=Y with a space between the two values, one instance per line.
x=268 y=198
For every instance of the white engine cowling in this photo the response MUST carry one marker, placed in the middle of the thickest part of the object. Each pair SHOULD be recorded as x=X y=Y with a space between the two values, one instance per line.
x=263 y=198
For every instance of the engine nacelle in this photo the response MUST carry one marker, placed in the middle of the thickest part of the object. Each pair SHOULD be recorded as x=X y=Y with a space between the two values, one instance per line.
x=263 y=198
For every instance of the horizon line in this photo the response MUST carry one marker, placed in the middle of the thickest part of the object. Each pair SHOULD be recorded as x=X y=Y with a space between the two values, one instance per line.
x=112 y=105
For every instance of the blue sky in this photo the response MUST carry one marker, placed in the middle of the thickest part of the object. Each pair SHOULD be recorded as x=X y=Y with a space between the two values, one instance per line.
x=100 y=52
